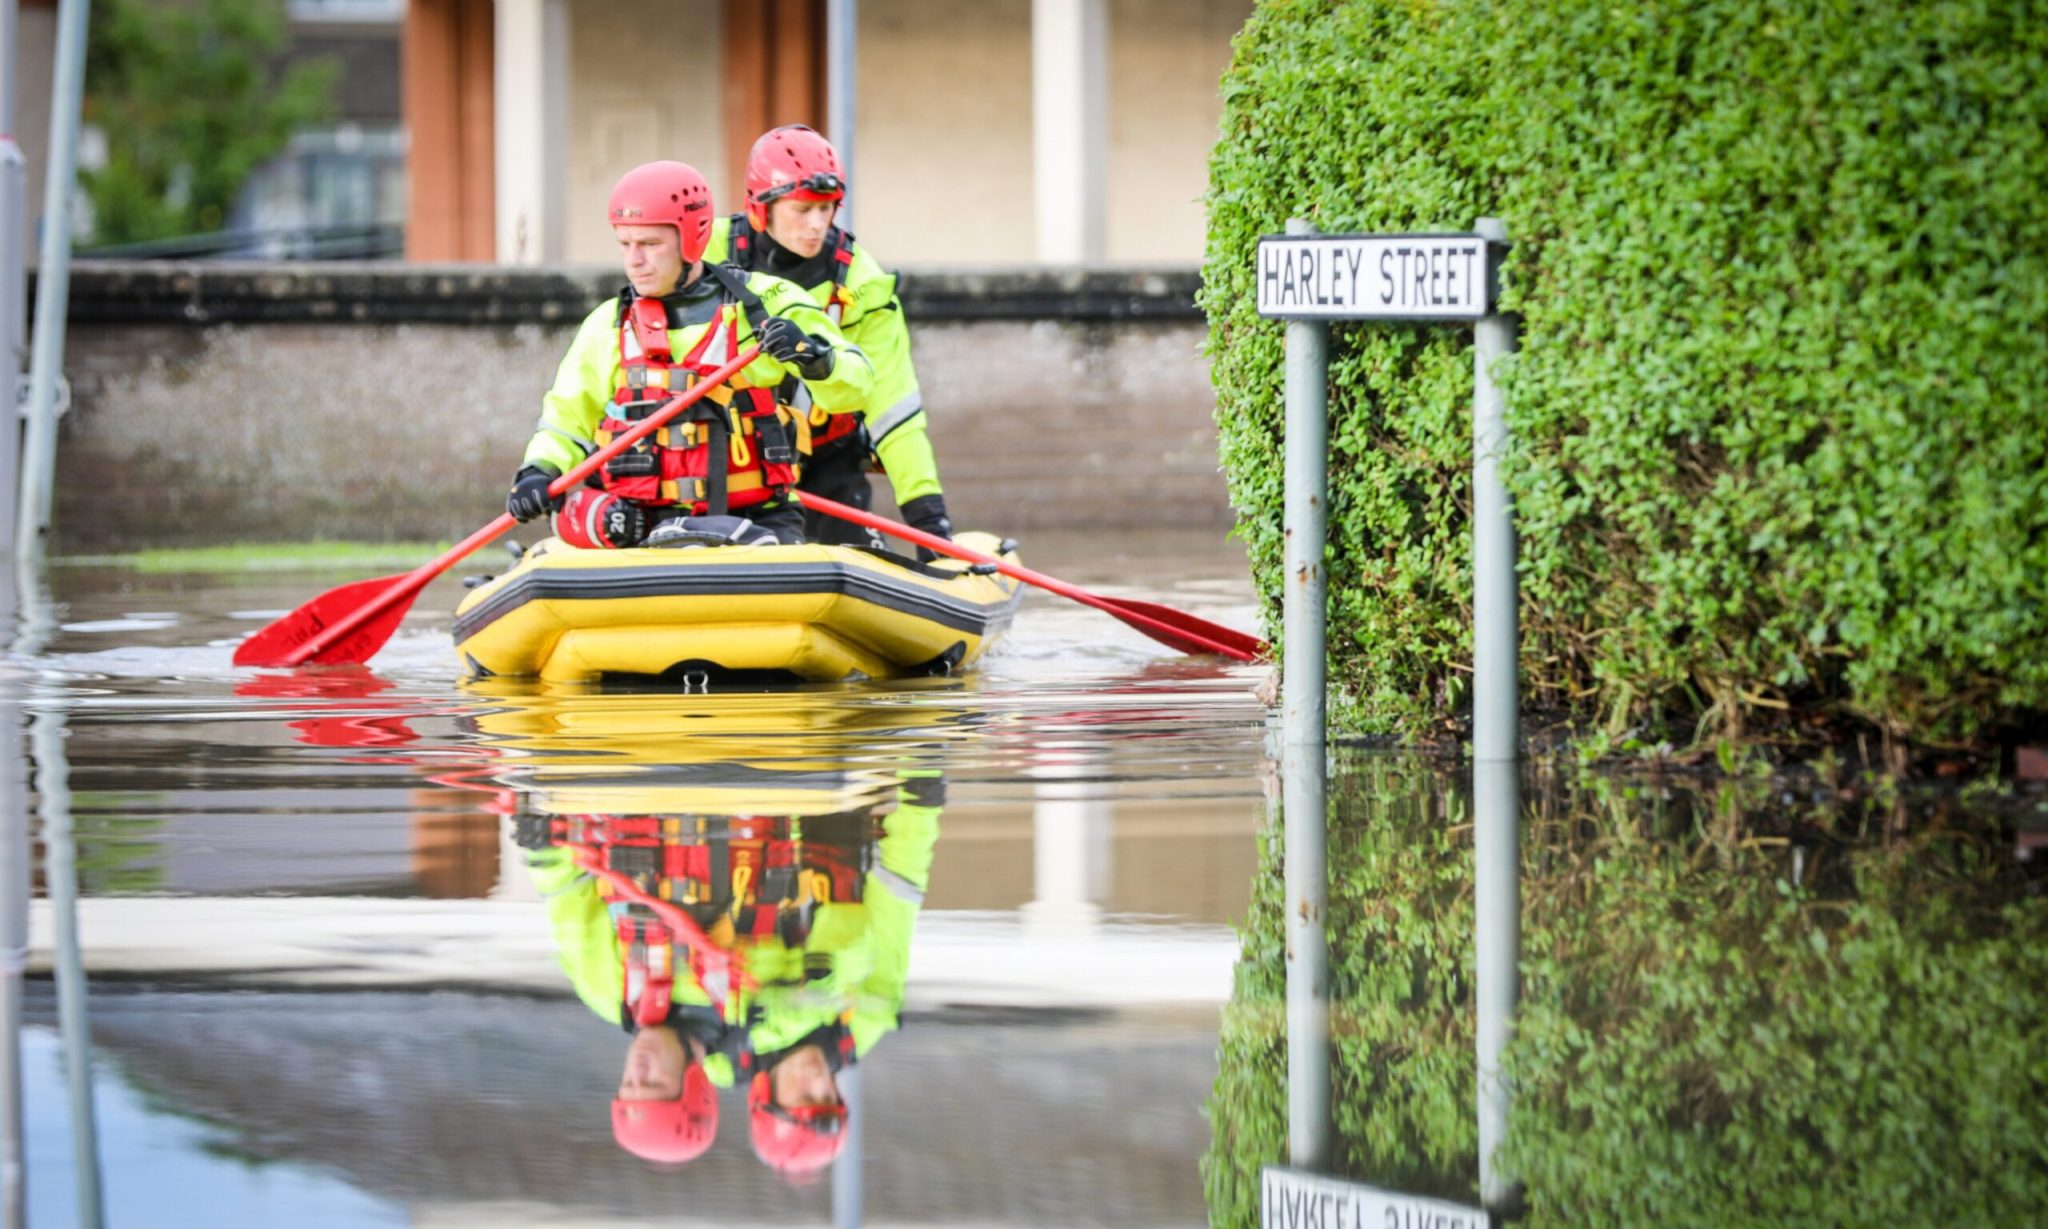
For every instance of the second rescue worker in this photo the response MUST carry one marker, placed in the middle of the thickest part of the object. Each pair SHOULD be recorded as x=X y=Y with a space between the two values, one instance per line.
x=794 y=184
x=737 y=451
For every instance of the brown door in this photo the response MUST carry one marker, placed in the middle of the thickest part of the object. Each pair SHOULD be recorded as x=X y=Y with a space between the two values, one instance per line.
x=450 y=165
x=774 y=74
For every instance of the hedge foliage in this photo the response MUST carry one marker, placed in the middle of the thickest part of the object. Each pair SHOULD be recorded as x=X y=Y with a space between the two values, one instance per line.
x=1730 y=1014
x=1782 y=267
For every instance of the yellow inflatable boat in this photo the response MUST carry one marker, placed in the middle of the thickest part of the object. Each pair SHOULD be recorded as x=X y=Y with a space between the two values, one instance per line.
x=770 y=613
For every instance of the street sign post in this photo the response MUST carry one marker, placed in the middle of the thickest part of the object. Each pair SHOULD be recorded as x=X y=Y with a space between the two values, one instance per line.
x=1309 y=279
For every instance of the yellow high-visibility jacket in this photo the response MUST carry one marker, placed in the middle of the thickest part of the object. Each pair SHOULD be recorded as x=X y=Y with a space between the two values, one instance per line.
x=592 y=372
x=871 y=316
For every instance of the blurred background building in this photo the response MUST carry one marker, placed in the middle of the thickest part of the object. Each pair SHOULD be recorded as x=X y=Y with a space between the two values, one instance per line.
x=995 y=132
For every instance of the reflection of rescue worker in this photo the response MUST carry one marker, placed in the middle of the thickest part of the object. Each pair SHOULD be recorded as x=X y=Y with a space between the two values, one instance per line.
x=737 y=451
x=794 y=185
x=809 y=920
x=823 y=1006
x=623 y=963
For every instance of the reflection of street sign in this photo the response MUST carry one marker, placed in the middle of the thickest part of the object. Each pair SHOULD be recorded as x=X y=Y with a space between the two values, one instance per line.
x=1291 y=1199
x=1374 y=277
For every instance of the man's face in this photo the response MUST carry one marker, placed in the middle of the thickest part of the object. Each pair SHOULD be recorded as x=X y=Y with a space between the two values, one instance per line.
x=804 y=1078
x=654 y=1066
x=653 y=257
x=800 y=226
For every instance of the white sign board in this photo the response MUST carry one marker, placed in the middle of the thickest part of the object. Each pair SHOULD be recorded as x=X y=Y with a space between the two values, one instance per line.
x=1374 y=277
x=1291 y=1199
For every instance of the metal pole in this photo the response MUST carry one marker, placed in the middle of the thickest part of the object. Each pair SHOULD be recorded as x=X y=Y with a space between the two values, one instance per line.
x=1496 y=784
x=842 y=20
x=847 y=1192
x=9 y=26
x=1303 y=732
x=14 y=899
x=60 y=868
x=53 y=285
x=13 y=287
x=1495 y=706
x=13 y=339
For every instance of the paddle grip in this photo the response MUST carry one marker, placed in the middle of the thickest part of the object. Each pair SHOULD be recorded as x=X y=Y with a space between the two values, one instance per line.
x=417 y=579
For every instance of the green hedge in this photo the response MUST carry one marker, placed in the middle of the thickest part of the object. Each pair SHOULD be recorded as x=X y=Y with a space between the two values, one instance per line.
x=1715 y=1028
x=1783 y=274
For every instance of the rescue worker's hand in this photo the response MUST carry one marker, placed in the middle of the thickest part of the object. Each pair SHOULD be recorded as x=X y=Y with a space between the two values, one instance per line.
x=786 y=343
x=529 y=497
x=633 y=463
x=928 y=512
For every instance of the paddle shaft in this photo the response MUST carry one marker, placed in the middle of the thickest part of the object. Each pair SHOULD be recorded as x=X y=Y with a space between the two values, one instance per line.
x=412 y=582
x=1177 y=636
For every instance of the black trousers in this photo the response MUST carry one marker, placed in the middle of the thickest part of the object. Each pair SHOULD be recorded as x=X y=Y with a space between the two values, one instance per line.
x=840 y=472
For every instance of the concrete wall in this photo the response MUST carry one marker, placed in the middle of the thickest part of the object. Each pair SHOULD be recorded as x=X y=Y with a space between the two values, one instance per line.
x=218 y=403
x=639 y=91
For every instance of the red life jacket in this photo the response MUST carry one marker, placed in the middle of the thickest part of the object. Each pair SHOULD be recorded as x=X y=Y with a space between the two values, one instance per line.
x=760 y=441
x=739 y=877
x=825 y=428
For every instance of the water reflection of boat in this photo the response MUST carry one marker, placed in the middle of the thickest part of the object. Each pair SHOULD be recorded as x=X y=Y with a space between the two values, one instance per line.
x=764 y=753
x=813 y=612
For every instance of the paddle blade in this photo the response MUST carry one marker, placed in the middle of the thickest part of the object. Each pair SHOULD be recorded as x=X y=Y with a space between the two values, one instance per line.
x=1181 y=630
x=273 y=645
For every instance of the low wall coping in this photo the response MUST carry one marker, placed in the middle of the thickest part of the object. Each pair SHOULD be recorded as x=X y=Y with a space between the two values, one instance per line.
x=389 y=292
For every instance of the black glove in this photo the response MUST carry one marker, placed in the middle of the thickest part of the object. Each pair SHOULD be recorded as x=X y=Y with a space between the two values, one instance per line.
x=529 y=498
x=928 y=512
x=788 y=344
x=632 y=463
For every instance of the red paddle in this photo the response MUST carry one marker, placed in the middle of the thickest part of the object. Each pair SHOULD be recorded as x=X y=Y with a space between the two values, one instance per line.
x=1170 y=627
x=349 y=624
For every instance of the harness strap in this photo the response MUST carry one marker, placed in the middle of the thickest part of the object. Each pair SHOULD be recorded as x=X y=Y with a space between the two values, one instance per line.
x=734 y=281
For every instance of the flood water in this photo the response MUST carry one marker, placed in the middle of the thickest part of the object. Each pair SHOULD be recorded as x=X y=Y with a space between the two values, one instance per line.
x=325 y=986
x=338 y=975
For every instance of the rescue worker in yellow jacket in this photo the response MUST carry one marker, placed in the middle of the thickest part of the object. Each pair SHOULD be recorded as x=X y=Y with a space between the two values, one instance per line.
x=738 y=451
x=794 y=183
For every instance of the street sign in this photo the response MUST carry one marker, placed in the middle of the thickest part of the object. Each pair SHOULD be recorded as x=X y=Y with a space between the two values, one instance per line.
x=1375 y=277
x=1291 y=1199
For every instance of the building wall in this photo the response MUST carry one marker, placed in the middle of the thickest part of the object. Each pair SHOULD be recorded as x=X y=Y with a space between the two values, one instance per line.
x=35 y=56
x=1165 y=60
x=943 y=147
x=636 y=95
x=943 y=132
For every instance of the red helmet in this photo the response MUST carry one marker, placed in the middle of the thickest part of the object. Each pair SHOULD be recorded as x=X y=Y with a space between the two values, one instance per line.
x=666 y=194
x=669 y=1132
x=791 y=161
x=796 y=1143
